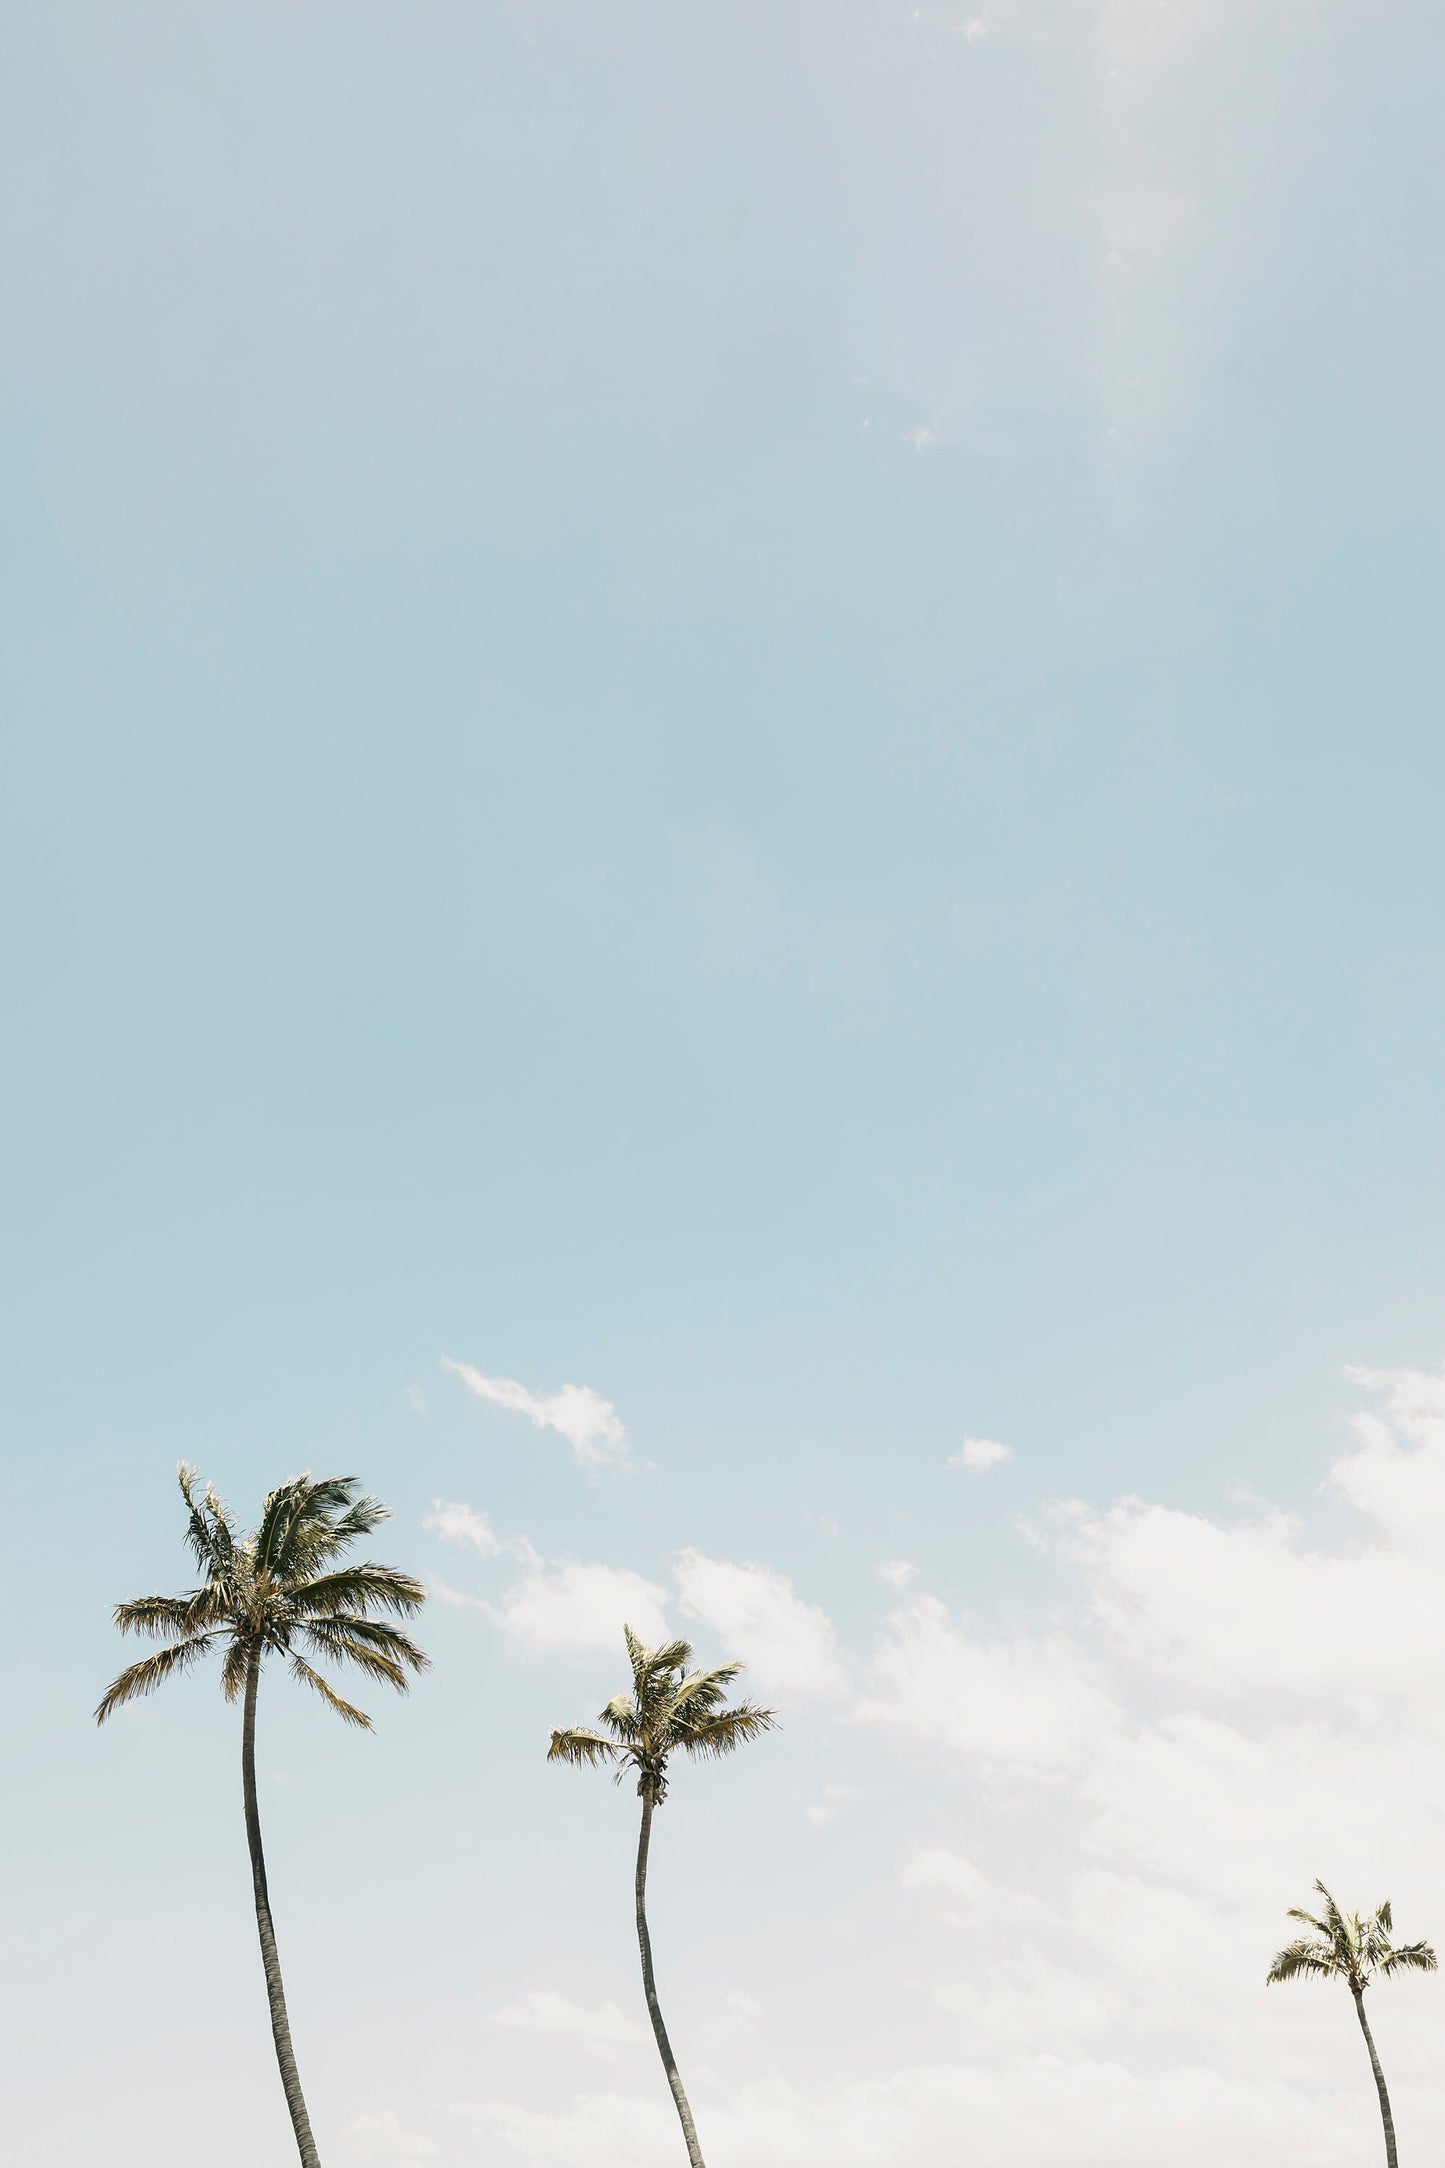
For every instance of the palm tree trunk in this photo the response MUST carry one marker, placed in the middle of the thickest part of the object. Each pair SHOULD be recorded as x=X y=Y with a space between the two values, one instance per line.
x=649 y=1984
x=275 y=1992
x=1391 y=2160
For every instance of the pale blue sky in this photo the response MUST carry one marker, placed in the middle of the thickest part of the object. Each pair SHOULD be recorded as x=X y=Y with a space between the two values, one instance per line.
x=741 y=705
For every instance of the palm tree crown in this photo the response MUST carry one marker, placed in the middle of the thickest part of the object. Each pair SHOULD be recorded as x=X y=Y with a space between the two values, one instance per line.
x=278 y=1589
x=1346 y=1946
x=671 y=1710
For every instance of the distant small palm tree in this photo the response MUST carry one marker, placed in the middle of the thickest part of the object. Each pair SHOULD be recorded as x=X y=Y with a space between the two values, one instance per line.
x=265 y=1592
x=1346 y=1947
x=672 y=1710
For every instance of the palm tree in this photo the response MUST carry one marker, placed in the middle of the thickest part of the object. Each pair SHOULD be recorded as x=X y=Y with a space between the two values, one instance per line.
x=276 y=1590
x=671 y=1710
x=1345 y=1947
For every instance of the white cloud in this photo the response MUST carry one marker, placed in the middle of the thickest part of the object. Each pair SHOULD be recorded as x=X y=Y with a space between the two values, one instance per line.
x=1028 y=1994
x=590 y=1424
x=978 y=1455
x=1255 y=1607
x=380 y=2138
x=788 y=1645
x=458 y=1523
x=442 y=1592
x=1012 y=2111
x=417 y=1399
x=607 y=2130
x=741 y=2012
x=603 y=2030
x=827 y=1809
x=570 y=1606
x=1400 y=1486
x=961 y=1895
x=934 y=1867
x=1039 y=1705
x=897 y=1573
x=1252 y=1607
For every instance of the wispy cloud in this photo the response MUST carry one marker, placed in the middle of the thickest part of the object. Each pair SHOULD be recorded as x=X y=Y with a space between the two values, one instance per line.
x=558 y=1605
x=896 y=1572
x=979 y=1455
x=458 y=1523
x=1031 y=1704
x=455 y=1598
x=1013 y=2111
x=568 y=1605
x=827 y=1809
x=382 y=2138
x=1254 y=1607
x=603 y=2030
x=787 y=1643
x=972 y=1899
x=590 y=1424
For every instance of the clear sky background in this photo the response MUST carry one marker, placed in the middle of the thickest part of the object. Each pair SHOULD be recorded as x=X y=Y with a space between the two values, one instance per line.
x=740 y=706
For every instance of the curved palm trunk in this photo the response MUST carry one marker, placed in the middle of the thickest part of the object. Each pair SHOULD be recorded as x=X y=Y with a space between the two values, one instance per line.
x=649 y=1984
x=275 y=1992
x=1391 y=2158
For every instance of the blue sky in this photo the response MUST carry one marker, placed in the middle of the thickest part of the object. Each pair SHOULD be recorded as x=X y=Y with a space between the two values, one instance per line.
x=740 y=707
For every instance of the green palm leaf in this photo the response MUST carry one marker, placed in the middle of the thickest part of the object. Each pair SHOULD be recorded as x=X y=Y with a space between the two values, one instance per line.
x=362 y=1588
x=724 y=1733
x=302 y=1671
x=152 y=1671
x=1410 y=1957
x=584 y=1749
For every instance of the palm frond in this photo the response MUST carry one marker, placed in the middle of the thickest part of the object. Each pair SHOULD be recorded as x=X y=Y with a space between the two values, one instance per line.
x=154 y=1616
x=302 y=1671
x=327 y=1538
x=234 y=1667
x=621 y=1718
x=330 y=1520
x=650 y=1665
x=372 y=1633
x=360 y=1588
x=331 y=1517
x=279 y=1510
x=1316 y=1960
x=1410 y=1957
x=152 y=1671
x=382 y=1652
x=1337 y=1926
x=698 y=1694
x=210 y=1531
x=723 y=1733
x=583 y=1749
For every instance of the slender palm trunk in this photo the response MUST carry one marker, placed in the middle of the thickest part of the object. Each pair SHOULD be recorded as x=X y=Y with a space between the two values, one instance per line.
x=275 y=1992
x=649 y=1984
x=1391 y=2159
